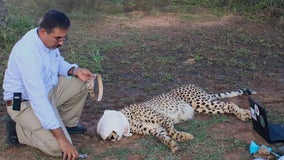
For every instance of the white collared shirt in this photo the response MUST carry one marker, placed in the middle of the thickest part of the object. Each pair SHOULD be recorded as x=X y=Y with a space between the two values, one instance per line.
x=33 y=70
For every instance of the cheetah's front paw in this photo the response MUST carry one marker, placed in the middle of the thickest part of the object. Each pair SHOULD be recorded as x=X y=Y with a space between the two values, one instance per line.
x=174 y=147
x=189 y=136
x=184 y=136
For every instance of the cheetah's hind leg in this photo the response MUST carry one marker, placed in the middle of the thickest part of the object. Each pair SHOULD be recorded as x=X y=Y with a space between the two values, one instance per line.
x=219 y=107
x=243 y=114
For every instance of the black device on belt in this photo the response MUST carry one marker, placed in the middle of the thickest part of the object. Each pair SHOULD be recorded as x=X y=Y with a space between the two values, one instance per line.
x=17 y=99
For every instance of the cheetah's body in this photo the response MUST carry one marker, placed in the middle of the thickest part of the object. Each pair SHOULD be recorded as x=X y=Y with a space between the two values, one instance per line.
x=157 y=116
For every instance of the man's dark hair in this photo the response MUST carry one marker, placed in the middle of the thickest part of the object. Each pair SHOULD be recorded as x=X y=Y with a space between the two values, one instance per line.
x=54 y=19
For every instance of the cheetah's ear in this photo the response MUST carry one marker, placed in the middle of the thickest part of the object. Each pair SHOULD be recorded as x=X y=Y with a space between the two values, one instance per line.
x=113 y=136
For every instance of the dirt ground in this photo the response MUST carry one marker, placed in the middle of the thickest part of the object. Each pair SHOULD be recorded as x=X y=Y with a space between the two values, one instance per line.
x=209 y=52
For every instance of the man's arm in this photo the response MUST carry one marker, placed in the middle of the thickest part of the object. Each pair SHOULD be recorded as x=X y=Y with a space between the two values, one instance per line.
x=82 y=73
x=69 y=151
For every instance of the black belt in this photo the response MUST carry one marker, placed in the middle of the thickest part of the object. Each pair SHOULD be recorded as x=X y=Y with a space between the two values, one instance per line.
x=10 y=102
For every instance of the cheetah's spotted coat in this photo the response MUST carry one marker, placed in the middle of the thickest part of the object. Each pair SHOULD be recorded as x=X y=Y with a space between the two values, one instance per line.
x=157 y=116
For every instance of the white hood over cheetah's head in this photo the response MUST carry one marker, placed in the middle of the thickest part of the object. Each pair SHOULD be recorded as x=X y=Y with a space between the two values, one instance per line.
x=113 y=125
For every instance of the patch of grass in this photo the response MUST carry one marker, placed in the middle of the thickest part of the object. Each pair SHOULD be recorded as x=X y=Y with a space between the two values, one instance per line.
x=111 y=45
x=165 y=59
x=114 y=153
x=236 y=143
x=146 y=74
x=218 y=48
x=97 y=58
x=16 y=28
x=203 y=142
x=166 y=77
x=187 y=17
x=157 y=150
x=92 y=61
x=153 y=88
x=135 y=56
x=198 y=57
x=195 y=125
x=145 y=65
x=243 y=52
x=218 y=12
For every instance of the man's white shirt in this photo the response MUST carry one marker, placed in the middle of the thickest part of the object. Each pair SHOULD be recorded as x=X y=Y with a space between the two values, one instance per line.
x=33 y=70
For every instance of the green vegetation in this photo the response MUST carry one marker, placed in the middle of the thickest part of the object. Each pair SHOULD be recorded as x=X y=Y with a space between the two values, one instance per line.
x=19 y=22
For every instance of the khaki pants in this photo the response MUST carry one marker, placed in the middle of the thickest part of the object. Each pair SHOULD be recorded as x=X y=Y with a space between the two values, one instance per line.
x=68 y=98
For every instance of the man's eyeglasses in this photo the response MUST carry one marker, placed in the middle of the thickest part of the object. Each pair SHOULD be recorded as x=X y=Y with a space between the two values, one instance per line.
x=59 y=39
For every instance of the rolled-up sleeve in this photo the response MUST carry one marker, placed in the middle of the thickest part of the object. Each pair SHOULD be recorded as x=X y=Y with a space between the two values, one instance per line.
x=64 y=66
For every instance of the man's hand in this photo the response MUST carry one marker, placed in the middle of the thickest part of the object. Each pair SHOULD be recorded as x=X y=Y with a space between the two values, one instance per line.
x=69 y=151
x=83 y=74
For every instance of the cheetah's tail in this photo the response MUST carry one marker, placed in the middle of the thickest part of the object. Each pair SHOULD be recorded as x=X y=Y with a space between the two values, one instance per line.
x=231 y=94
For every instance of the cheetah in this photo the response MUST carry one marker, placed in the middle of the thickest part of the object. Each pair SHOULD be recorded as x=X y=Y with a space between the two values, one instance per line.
x=157 y=116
